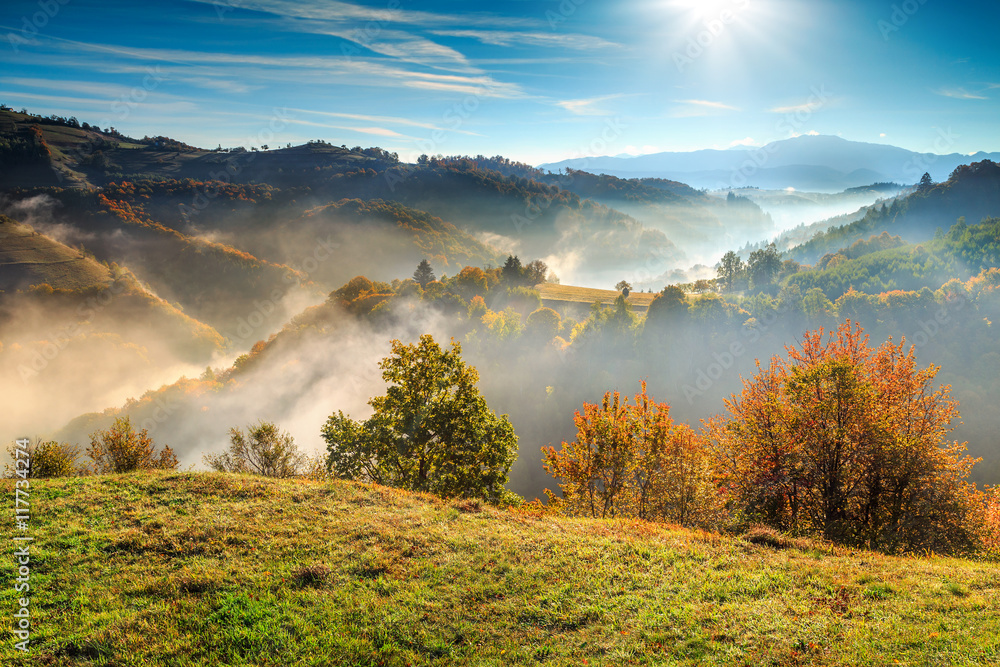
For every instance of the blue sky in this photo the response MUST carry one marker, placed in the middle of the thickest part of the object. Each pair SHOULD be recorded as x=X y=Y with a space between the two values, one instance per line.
x=535 y=81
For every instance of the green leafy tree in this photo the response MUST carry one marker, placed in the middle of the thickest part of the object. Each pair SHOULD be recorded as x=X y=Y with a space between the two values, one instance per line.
x=432 y=431
x=730 y=270
x=623 y=285
x=263 y=450
x=763 y=266
x=121 y=449
x=424 y=273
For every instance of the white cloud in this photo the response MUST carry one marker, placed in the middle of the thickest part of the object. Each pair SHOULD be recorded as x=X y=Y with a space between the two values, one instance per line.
x=378 y=131
x=332 y=10
x=392 y=120
x=709 y=104
x=882 y=135
x=585 y=107
x=550 y=39
x=748 y=141
x=959 y=94
x=808 y=107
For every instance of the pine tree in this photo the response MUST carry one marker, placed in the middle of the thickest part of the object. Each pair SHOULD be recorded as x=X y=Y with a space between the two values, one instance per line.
x=424 y=273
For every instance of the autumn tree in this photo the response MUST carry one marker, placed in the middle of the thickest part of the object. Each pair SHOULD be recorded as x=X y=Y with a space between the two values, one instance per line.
x=121 y=449
x=633 y=461
x=849 y=442
x=262 y=450
x=432 y=431
x=535 y=272
x=424 y=273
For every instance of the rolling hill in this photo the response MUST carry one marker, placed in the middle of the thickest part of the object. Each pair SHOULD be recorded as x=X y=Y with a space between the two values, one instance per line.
x=192 y=569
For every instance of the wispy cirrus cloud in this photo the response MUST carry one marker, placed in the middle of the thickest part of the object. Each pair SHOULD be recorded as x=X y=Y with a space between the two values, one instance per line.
x=806 y=107
x=356 y=71
x=698 y=108
x=588 y=106
x=391 y=120
x=545 y=39
x=709 y=104
x=377 y=131
x=332 y=10
x=959 y=93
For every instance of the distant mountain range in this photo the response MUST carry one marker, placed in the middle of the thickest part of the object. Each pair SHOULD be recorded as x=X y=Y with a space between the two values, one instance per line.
x=816 y=163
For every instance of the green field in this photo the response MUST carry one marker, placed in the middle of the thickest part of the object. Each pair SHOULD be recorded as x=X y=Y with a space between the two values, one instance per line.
x=566 y=293
x=173 y=568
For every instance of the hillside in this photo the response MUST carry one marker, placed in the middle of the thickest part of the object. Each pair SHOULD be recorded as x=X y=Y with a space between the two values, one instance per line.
x=972 y=191
x=29 y=258
x=207 y=569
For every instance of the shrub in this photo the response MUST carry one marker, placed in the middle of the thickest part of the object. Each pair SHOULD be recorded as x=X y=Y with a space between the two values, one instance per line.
x=48 y=459
x=264 y=450
x=121 y=449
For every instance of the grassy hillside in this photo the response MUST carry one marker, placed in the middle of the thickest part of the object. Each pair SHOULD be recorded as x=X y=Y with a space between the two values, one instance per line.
x=208 y=569
x=28 y=258
x=555 y=295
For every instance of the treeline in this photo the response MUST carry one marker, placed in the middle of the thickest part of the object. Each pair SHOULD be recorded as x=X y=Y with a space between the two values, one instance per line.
x=837 y=440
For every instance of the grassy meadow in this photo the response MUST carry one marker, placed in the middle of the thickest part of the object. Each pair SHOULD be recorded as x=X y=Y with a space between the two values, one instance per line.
x=183 y=568
x=586 y=295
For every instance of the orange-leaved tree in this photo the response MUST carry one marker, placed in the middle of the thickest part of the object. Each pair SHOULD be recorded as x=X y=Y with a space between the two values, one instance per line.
x=850 y=442
x=633 y=461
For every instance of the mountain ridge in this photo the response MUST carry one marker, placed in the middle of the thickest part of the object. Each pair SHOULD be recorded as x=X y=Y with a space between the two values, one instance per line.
x=831 y=163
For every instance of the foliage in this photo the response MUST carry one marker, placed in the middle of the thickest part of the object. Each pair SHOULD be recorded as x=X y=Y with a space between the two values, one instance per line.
x=731 y=270
x=848 y=442
x=432 y=430
x=632 y=461
x=120 y=449
x=47 y=459
x=763 y=266
x=263 y=450
x=424 y=273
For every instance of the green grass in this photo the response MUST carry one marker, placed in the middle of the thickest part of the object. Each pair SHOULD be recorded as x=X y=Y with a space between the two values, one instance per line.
x=550 y=292
x=211 y=569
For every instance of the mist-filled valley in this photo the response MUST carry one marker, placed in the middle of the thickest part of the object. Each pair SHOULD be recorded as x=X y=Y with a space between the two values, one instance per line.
x=194 y=306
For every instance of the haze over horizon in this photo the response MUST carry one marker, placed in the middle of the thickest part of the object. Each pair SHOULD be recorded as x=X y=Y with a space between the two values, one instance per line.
x=538 y=82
